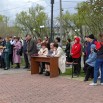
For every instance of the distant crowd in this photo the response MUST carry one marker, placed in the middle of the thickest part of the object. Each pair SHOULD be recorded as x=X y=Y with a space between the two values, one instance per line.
x=13 y=49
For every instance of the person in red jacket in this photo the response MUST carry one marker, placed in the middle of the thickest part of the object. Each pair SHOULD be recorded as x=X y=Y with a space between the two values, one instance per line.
x=76 y=55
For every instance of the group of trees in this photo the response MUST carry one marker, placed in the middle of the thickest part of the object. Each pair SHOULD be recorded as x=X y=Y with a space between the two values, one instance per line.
x=32 y=21
x=87 y=20
x=5 y=29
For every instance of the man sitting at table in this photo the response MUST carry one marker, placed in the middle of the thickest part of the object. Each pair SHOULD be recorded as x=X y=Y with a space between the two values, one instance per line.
x=43 y=52
x=57 y=52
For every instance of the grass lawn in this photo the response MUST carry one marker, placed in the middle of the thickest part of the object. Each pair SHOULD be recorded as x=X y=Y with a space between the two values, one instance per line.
x=69 y=72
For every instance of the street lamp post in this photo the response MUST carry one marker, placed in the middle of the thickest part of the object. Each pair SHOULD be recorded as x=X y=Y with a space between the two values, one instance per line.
x=51 y=36
x=41 y=27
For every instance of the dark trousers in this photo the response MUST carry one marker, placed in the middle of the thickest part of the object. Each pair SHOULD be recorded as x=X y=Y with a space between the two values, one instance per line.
x=77 y=67
x=26 y=60
x=7 y=60
x=68 y=57
x=2 y=62
x=11 y=58
x=84 y=59
x=89 y=72
x=85 y=68
x=42 y=67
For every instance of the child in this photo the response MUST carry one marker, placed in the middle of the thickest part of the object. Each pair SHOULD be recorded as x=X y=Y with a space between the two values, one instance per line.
x=90 y=63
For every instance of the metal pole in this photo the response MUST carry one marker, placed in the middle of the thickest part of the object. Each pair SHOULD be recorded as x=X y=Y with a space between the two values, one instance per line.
x=61 y=21
x=52 y=36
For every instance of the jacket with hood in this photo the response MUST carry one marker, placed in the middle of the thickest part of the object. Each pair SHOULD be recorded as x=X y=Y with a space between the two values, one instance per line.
x=92 y=57
x=76 y=49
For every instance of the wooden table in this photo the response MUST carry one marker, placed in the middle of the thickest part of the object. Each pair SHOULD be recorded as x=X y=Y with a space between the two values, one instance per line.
x=35 y=61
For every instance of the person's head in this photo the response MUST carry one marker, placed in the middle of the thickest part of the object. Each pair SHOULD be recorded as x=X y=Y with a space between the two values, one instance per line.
x=93 y=47
x=1 y=47
x=39 y=40
x=44 y=45
x=28 y=37
x=69 y=40
x=0 y=39
x=57 y=40
x=77 y=40
x=25 y=37
x=17 y=39
x=75 y=36
x=55 y=46
x=46 y=38
x=91 y=38
x=86 y=38
x=10 y=38
x=51 y=45
x=7 y=39
x=14 y=37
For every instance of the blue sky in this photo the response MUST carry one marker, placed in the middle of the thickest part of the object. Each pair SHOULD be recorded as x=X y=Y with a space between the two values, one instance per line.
x=11 y=7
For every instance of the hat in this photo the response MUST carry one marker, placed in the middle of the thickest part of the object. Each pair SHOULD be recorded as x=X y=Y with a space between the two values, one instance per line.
x=91 y=36
x=93 y=46
x=1 y=47
x=78 y=39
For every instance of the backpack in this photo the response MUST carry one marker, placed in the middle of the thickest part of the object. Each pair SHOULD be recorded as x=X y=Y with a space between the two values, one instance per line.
x=100 y=51
x=20 y=51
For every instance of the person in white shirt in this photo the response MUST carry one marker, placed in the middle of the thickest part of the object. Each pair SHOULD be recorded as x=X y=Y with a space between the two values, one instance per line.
x=57 y=52
x=44 y=50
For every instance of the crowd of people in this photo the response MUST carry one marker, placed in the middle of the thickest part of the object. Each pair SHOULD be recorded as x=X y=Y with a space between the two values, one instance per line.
x=12 y=49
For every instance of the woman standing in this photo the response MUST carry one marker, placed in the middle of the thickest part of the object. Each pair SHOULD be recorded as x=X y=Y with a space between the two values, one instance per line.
x=99 y=61
x=67 y=50
x=76 y=55
x=16 y=53
x=7 y=52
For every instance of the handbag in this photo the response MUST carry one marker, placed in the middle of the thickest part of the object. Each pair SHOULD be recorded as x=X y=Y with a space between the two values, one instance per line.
x=19 y=52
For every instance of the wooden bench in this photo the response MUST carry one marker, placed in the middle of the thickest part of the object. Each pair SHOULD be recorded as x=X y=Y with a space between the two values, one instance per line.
x=72 y=64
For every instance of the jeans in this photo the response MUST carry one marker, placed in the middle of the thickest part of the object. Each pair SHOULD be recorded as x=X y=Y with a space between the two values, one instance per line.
x=98 y=64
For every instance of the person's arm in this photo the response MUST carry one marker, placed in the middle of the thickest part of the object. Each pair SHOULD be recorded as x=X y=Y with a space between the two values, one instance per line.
x=92 y=58
x=59 y=53
x=45 y=52
x=67 y=47
x=31 y=45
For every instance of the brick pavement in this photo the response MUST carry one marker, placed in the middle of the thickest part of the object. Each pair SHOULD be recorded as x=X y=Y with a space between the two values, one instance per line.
x=26 y=88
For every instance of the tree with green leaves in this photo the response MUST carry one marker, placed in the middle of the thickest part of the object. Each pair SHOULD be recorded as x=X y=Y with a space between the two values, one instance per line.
x=32 y=20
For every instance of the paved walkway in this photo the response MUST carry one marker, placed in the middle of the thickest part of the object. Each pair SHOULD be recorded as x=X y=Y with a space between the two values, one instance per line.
x=19 y=86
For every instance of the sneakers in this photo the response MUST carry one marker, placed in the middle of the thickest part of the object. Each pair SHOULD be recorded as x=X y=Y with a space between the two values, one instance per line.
x=47 y=73
x=93 y=84
x=101 y=83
